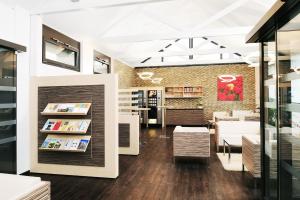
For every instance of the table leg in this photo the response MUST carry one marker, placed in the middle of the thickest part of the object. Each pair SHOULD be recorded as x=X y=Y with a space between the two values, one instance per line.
x=224 y=147
x=229 y=151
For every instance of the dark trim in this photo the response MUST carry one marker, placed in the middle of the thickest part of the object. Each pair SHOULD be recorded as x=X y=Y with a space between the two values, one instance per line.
x=26 y=173
x=146 y=60
x=193 y=65
x=262 y=119
x=13 y=46
x=283 y=15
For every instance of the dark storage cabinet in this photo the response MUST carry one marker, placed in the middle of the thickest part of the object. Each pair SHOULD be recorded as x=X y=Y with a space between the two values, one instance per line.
x=7 y=110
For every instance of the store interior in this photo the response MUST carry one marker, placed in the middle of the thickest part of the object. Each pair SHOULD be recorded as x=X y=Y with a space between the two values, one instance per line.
x=158 y=99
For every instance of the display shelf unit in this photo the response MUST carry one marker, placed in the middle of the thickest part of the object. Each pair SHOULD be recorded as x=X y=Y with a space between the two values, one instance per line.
x=66 y=126
x=65 y=143
x=128 y=102
x=184 y=92
x=66 y=109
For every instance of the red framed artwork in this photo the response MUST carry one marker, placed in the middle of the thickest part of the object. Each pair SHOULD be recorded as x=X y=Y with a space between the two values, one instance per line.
x=230 y=88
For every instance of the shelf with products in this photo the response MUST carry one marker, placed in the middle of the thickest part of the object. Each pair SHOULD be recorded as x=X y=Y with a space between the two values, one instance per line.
x=65 y=143
x=68 y=126
x=184 y=92
x=66 y=109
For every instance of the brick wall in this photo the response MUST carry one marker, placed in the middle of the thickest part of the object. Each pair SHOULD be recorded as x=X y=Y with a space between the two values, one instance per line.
x=205 y=76
x=126 y=74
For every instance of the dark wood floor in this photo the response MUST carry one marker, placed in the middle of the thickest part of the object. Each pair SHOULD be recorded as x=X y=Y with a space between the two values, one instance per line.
x=153 y=175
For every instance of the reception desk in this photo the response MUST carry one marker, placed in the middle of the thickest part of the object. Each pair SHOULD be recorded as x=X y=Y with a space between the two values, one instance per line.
x=184 y=116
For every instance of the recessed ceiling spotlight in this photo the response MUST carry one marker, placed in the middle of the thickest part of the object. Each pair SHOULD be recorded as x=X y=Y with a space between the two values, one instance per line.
x=74 y=1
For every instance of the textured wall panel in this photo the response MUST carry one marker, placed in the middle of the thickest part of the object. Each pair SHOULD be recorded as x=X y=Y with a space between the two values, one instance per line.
x=94 y=155
x=124 y=135
x=184 y=117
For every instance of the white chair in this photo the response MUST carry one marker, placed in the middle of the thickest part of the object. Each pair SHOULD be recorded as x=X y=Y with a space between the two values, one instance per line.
x=242 y=113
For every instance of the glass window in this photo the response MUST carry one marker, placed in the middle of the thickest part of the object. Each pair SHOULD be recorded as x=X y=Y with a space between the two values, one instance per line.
x=60 y=54
x=7 y=111
x=270 y=120
x=289 y=108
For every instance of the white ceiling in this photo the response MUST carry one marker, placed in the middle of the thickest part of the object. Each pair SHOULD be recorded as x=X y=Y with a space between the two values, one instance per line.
x=136 y=30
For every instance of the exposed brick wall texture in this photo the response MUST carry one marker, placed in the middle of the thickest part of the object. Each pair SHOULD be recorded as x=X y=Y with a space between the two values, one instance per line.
x=205 y=76
x=126 y=74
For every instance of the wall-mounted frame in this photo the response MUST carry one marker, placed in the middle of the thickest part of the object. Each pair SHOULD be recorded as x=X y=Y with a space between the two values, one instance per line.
x=102 y=63
x=60 y=50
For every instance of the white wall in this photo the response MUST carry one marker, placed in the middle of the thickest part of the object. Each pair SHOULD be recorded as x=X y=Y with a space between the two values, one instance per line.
x=19 y=27
x=15 y=23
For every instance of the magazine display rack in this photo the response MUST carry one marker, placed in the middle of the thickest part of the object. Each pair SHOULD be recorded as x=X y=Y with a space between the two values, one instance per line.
x=67 y=126
x=67 y=109
x=74 y=125
x=65 y=142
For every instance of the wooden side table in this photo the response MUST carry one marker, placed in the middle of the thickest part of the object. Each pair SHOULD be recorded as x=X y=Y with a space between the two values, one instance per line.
x=191 y=142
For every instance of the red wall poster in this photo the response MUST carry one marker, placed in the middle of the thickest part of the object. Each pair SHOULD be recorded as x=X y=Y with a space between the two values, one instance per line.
x=230 y=88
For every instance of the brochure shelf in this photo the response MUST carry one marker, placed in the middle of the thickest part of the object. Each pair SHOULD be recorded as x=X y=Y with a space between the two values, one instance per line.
x=59 y=130
x=68 y=126
x=65 y=143
x=66 y=109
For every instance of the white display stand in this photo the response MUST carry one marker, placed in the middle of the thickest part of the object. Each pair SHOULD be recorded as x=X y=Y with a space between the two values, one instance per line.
x=111 y=148
x=134 y=141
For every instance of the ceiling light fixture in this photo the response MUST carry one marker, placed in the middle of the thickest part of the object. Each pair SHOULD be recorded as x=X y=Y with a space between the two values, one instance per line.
x=74 y=1
x=156 y=80
x=145 y=75
x=227 y=78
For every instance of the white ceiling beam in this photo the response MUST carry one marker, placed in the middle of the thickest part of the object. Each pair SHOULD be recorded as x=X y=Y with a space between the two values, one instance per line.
x=220 y=14
x=173 y=36
x=57 y=6
x=186 y=62
x=121 y=17
x=188 y=52
x=265 y=3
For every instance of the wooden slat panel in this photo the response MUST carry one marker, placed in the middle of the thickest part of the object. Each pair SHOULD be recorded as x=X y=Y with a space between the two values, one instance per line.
x=191 y=144
x=41 y=193
x=251 y=157
x=184 y=117
x=94 y=155
x=124 y=135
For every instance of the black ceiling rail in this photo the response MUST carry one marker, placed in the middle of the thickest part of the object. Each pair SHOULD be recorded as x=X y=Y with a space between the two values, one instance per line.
x=10 y=45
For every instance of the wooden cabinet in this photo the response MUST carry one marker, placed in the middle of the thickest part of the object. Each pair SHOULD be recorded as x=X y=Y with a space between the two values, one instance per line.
x=185 y=117
x=184 y=92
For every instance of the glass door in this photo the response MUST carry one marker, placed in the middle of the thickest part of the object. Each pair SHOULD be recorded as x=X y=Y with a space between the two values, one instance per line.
x=7 y=111
x=270 y=118
x=288 y=38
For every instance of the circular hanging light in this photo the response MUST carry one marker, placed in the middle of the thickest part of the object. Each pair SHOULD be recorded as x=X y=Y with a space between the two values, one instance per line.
x=227 y=78
x=145 y=75
x=156 y=80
